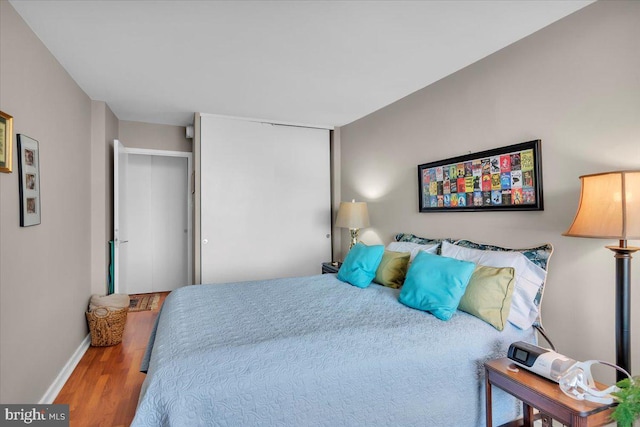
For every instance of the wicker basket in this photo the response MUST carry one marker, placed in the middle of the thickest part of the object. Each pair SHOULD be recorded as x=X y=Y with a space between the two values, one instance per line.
x=106 y=325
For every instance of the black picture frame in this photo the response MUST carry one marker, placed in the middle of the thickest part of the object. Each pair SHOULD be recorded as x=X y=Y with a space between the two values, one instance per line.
x=29 y=182
x=513 y=174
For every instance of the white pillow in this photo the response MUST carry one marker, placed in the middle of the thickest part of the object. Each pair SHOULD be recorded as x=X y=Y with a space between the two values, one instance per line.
x=413 y=248
x=529 y=278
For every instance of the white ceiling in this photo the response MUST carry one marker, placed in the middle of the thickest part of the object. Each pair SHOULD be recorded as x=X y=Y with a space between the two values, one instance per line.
x=320 y=63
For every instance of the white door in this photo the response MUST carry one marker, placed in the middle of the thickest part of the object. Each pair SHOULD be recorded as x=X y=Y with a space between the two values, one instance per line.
x=136 y=261
x=170 y=242
x=265 y=200
x=154 y=217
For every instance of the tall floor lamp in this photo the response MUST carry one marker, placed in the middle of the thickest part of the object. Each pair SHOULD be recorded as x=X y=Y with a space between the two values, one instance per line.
x=610 y=209
x=354 y=216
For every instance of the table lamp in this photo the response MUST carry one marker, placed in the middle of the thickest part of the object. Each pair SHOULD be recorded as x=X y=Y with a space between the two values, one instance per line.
x=354 y=216
x=609 y=208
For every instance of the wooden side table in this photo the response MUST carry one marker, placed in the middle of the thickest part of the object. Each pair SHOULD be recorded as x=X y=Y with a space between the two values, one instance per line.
x=328 y=267
x=542 y=394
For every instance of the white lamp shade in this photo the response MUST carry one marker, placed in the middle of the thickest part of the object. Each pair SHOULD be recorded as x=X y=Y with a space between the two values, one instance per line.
x=352 y=215
x=609 y=206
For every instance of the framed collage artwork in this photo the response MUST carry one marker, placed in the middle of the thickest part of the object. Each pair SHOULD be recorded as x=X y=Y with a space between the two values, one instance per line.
x=502 y=179
x=29 y=171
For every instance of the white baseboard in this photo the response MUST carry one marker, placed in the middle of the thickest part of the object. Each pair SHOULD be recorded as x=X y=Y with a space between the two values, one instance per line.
x=65 y=373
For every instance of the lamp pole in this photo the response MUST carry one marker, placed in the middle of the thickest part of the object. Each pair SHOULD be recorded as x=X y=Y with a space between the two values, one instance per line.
x=623 y=306
x=608 y=209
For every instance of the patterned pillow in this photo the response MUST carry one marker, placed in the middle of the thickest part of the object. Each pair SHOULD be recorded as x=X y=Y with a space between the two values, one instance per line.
x=539 y=255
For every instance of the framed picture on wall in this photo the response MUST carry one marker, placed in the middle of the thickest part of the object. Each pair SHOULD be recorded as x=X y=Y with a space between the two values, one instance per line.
x=6 y=142
x=502 y=179
x=29 y=170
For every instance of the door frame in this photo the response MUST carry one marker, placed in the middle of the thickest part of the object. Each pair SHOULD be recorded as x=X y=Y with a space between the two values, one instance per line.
x=189 y=201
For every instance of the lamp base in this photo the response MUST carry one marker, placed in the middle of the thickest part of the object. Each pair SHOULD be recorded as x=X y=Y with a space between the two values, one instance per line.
x=354 y=237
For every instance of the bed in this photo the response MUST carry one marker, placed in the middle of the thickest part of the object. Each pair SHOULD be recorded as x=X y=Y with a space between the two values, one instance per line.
x=315 y=351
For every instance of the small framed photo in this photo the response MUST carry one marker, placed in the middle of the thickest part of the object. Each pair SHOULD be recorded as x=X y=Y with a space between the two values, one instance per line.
x=29 y=170
x=6 y=142
x=503 y=179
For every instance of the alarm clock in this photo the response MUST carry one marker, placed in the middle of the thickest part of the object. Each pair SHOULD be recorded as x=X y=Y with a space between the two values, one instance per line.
x=539 y=360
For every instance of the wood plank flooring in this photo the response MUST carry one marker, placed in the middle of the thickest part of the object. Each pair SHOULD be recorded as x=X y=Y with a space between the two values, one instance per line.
x=103 y=390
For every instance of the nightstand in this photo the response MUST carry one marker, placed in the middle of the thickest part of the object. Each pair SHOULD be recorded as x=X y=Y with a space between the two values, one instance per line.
x=329 y=267
x=542 y=394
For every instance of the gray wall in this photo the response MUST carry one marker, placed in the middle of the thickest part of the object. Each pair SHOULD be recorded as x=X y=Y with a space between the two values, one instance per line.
x=154 y=136
x=48 y=271
x=104 y=129
x=45 y=269
x=574 y=85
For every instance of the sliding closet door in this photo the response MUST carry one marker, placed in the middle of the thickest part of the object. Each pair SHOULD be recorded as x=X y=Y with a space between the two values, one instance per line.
x=265 y=200
x=155 y=245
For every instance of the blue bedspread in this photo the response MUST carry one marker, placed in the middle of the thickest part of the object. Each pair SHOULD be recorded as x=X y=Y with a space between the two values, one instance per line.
x=314 y=351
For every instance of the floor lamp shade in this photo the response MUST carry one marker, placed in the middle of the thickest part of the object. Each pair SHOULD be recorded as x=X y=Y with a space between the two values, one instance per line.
x=610 y=209
x=354 y=216
x=609 y=206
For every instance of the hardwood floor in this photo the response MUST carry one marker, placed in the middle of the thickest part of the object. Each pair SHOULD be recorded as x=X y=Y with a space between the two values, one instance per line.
x=103 y=390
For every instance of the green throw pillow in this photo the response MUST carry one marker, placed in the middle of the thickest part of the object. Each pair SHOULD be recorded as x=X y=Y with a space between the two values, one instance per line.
x=488 y=295
x=392 y=269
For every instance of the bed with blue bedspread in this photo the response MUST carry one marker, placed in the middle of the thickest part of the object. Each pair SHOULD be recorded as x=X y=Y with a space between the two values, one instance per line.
x=314 y=351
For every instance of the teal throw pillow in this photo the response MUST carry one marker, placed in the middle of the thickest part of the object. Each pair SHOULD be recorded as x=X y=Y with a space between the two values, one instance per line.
x=436 y=284
x=360 y=265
